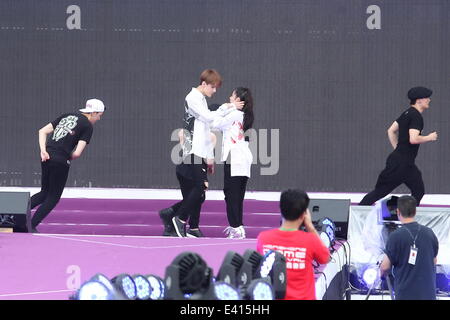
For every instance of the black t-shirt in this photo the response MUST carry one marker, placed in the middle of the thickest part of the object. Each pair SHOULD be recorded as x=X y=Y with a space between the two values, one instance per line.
x=413 y=282
x=68 y=128
x=409 y=119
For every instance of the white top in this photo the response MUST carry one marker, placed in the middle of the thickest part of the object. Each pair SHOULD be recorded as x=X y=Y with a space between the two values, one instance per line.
x=197 y=107
x=233 y=141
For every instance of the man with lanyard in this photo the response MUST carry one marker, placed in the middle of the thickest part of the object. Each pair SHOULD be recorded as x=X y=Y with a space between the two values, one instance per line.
x=411 y=250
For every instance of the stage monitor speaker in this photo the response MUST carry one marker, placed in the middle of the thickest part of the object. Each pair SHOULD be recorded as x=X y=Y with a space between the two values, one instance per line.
x=335 y=209
x=15 y=213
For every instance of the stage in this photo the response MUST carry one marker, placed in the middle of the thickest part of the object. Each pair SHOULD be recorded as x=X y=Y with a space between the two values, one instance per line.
x=50 y=266
x=91 y=231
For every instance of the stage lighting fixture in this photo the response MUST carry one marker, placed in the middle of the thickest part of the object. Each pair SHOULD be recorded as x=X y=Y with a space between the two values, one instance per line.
x=442 y=282
x=273 y=266
x=371 y=276
x=225 y=291
x=93 y=290
x=157 y=287
x=326 y=228
x=104 y=280
x=259 y=289
x=254 y=258
x=235 y=270
x=188 y=277
x=124 y=284
x=143 y=288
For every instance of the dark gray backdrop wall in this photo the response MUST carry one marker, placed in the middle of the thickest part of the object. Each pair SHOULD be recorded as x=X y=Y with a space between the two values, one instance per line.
x=330 y=84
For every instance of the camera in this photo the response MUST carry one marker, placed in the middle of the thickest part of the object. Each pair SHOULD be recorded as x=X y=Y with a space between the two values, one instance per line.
x=387 y=213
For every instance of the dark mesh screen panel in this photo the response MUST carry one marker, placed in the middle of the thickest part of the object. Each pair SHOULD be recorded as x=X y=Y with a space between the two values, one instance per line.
x=319 y=75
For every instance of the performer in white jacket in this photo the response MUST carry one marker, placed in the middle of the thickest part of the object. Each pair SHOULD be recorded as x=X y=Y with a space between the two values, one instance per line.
x=197 y=148
x=237 y=157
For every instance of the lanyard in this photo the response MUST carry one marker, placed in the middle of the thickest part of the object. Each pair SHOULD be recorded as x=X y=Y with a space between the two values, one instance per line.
x=414 y=238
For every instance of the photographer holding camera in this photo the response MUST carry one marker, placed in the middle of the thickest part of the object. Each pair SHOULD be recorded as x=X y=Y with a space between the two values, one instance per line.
x=299 y=247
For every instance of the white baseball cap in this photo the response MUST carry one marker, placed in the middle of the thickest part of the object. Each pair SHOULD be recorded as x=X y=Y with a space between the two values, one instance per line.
x=93 y=105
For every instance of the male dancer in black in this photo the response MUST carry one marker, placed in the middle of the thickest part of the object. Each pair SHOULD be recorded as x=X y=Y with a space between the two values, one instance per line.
x=405 y=135
x=69 y=135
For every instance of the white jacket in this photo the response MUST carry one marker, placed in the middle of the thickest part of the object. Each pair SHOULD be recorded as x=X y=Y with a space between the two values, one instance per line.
x=233 y=141
x=200 y=141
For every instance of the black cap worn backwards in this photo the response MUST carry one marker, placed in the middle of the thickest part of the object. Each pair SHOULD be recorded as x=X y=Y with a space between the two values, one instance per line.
x=419 y=93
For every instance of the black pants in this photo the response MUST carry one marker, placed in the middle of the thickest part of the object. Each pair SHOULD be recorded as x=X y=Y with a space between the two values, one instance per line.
x=192 y=179
x=396 y=172
x=53 y=181
x=234 y=190
x=190 y=205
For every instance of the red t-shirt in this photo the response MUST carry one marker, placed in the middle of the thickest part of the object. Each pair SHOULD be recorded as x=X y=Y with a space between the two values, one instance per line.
x=300 y=249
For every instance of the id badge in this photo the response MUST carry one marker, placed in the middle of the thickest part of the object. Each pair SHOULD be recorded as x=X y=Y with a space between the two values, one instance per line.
x=412 y=256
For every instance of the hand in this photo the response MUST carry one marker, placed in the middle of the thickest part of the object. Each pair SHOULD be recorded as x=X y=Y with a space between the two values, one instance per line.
x=433 y=136
x=44 y=156
x=211 y=169
x=239 y=104
x=181 y=136
x=308 y=220
x=75 y=155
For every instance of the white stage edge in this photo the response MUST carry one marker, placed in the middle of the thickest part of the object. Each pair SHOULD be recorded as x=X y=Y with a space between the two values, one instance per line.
x=175 y=194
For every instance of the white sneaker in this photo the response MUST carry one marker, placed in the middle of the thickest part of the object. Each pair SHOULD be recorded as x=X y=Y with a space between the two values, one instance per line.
x=230 y=232
x=242 y=232
x=234 y=233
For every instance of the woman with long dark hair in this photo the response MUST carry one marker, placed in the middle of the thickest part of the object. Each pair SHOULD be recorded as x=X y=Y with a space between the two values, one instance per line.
x=237 y=157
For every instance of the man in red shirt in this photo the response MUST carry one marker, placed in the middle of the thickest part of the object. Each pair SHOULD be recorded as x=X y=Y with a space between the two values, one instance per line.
x=299 y=247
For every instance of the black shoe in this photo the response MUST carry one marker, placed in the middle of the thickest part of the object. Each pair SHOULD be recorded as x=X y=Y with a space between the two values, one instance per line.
x=194 y=233
x=166 y=216
x=179 y=226
x=170 y=234
x=169 y=231
x=34 y=230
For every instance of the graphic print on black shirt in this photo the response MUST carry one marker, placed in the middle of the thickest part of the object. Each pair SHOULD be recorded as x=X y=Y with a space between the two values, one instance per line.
x=69 y=128
x=65 y=127
x=188 y=130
